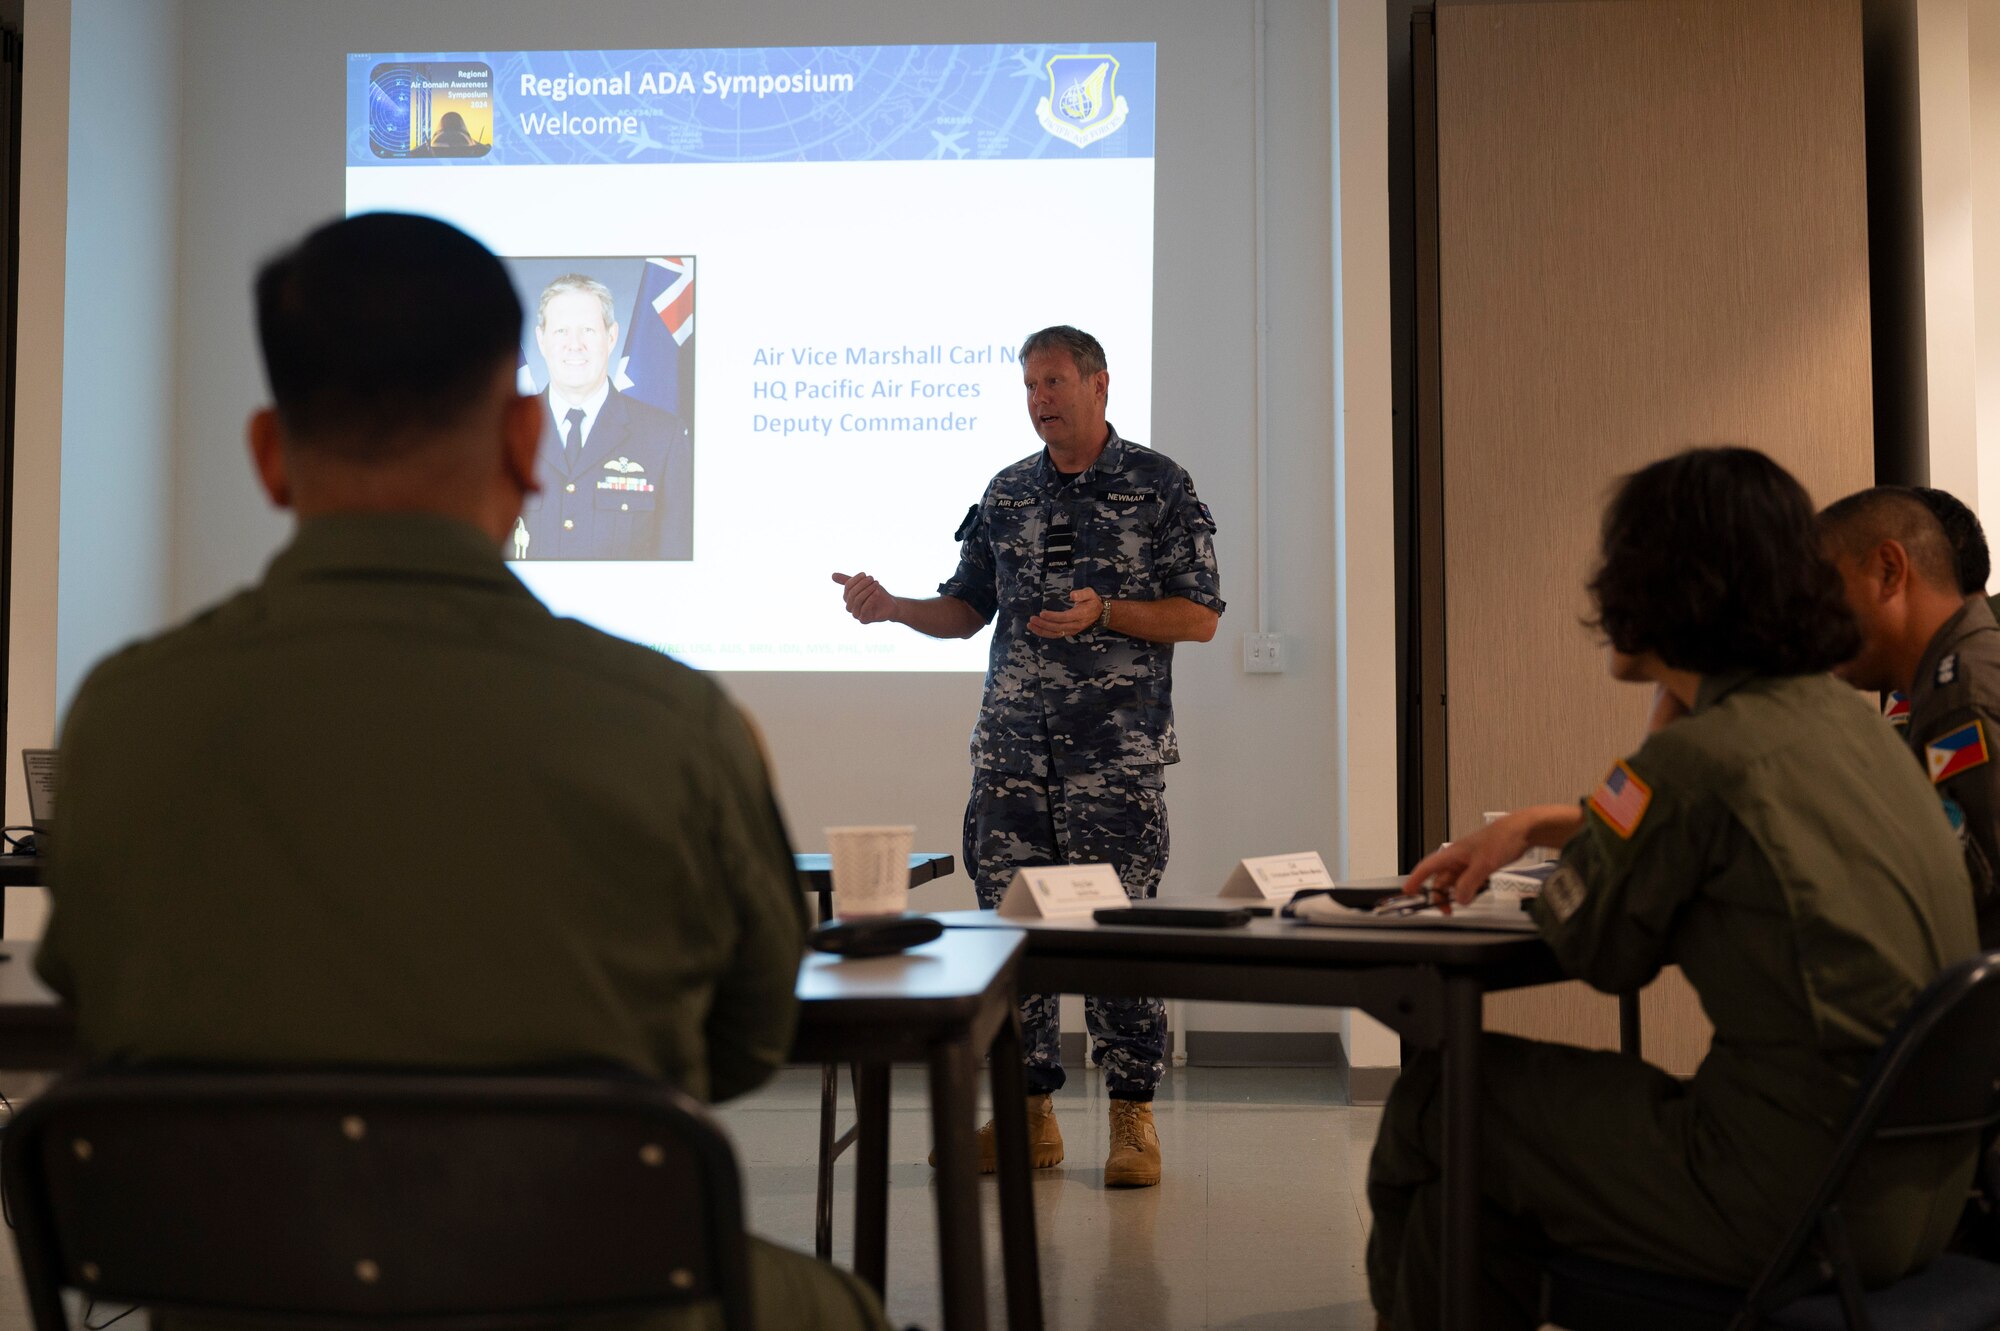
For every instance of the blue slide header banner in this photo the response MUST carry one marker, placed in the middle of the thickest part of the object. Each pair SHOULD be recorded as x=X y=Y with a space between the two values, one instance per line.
x=771 y=104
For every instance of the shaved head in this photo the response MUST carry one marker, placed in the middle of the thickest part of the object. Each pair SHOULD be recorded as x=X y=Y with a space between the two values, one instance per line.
x=1967 y=537
x=1857 y=526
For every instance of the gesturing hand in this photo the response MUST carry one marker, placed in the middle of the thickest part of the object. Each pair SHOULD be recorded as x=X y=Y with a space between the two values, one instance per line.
x=867 y=600
x=1086 y=606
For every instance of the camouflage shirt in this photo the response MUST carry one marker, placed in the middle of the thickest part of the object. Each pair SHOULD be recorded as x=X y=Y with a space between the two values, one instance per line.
x=1130 y=528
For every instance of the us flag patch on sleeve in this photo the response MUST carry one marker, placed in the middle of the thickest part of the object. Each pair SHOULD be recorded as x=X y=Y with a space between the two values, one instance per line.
x=1956 y=751
x=1621 y=800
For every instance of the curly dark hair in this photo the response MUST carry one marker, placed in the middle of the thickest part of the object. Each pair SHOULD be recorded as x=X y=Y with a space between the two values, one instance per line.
x=1711 y=559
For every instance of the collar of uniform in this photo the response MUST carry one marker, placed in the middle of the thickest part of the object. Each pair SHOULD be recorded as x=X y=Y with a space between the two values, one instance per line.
x=421 y=545
x=1109 y=462
x=1714 y=688
x=1972 y=617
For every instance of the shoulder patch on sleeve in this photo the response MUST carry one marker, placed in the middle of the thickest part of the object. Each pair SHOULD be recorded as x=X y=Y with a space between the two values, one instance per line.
x=1897 y=709
x=1564 y=892
x=965 y=527
x=1954 y=814
x=1956 y=751
x=1621 y=800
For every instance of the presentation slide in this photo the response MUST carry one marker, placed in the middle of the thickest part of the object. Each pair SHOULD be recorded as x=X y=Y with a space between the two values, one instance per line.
x=773 y=303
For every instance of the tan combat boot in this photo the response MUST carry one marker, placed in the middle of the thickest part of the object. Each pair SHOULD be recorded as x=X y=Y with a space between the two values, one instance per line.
x=1134 y=1161
x=1045 y=1147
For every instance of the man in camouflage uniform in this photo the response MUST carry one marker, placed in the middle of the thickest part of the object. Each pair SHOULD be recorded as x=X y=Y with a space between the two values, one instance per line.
x=1924 y=635
x=1093 y=558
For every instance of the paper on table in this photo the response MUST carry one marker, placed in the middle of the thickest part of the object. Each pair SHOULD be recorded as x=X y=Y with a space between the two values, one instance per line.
x=1498 y=914
x=1058 y=892
x=1276 y=877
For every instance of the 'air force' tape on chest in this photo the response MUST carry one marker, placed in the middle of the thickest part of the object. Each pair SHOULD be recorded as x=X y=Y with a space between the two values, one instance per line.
x=1564 y=893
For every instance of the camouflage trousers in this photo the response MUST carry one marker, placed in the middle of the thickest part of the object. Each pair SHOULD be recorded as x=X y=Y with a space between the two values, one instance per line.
x=1116 y=817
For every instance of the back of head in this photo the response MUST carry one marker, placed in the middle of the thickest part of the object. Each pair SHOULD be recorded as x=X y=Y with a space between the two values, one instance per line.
x=1855 y=527
x=1966 y=536
x=1711 y=560
x=381 y=331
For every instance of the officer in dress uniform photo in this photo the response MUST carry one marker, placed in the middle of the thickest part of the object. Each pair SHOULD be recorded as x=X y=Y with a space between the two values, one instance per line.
x=616 y=473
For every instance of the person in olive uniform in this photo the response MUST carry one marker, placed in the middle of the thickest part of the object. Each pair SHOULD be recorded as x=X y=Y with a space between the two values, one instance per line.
x=1924 y=636
x=294 y=828
x=1771 y=838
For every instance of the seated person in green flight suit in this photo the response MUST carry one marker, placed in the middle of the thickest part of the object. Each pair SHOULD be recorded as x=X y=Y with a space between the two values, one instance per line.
x=1771 y=838
x=383 y=808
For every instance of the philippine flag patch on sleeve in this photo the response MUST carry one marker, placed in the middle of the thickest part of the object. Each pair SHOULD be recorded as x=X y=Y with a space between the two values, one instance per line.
x=1897 y=709
x=1621 y=800
x=1956 y=751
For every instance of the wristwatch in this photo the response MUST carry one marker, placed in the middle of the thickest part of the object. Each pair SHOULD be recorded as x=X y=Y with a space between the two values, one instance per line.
x=1104 y=616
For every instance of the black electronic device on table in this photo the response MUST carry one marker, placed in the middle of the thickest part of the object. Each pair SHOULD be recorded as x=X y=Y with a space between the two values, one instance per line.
x=874 y=936
x=1356 y=898
x=1175 y=917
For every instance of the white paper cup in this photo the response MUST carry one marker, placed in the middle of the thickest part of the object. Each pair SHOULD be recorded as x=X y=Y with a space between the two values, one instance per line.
x=871 y=870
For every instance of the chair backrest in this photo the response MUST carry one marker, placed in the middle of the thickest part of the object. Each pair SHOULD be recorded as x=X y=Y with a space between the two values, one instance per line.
x=1937 y=1073
x=1940 y=1071
x=469 y=1201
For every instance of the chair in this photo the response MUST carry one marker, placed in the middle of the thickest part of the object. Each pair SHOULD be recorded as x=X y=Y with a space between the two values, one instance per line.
x=1938 y=1073
x=336 y=1199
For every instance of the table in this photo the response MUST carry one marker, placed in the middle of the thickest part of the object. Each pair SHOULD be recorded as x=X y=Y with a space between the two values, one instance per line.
x=945 y=1004
x=1424 y=984
x=816 y=875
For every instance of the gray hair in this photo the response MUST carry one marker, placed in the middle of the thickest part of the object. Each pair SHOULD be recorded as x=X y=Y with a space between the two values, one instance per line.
x=576 y=282
x=1084 y=349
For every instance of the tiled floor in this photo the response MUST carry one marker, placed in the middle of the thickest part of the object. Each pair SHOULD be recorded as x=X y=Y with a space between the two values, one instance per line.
x=1257 y=1225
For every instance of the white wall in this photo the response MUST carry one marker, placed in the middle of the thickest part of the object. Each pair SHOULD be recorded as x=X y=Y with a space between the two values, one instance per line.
x=1945 y=118
x=1958 y=104
x=38 y=403
x=1983 y=147
x=1264 y=755
x=1366 y=580
x=99 y=158
x=119 y=337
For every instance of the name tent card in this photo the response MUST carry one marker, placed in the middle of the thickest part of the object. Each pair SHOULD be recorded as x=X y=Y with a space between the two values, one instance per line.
x=1277 y=877
x=1062 y=892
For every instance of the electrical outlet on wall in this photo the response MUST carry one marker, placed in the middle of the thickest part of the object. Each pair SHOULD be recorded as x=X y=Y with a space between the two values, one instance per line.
x=1263 y=654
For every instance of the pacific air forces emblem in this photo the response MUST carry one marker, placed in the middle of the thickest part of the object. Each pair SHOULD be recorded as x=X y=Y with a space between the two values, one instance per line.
x=1083 y=104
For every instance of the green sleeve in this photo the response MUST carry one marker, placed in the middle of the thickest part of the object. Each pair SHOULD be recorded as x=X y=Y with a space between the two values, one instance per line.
x=1975 y=791
x=1608 y=910
x=755 y=1007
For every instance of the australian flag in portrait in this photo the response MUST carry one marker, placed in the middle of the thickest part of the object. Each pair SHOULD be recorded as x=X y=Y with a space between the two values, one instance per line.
x=658 y=365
